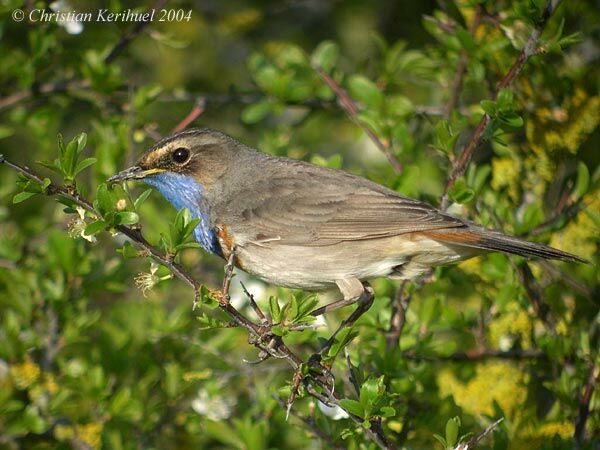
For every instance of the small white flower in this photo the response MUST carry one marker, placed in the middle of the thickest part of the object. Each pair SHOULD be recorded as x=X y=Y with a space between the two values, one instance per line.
x=212 y=407
x=71 y=25
x=77 y=227
x=333 y=412
x=145 y=281
x=505 y=343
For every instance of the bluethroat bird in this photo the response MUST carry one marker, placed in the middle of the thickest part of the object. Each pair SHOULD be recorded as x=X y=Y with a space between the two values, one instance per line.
x=298 y=225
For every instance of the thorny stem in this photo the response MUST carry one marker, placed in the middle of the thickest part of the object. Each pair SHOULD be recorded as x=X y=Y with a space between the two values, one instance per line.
x=462 y=161
x=375 y=433
x=131 y=34
x=312 y=426
x=584 y=405
x=471 y=443
x=348 y=105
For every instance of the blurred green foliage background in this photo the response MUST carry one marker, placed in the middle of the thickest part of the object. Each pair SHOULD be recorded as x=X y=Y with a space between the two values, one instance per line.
x=89 y=361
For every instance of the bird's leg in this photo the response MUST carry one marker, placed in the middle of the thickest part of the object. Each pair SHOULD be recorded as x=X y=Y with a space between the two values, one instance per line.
x=352 y=290
x=228 y=274
x=222 y=296
x=365 y=300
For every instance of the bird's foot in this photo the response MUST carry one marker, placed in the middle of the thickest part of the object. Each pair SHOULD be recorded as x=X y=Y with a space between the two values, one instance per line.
x=364 y=301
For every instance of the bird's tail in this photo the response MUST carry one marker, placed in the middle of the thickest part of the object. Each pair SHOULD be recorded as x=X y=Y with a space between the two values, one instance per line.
x=481 y=238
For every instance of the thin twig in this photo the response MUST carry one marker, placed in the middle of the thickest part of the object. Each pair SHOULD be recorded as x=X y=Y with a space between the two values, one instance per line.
x=584 y=405
x=398 y=319
x=348 y=105
x=462 y=161
x=569 y=211
x=534 y=293
x=352 y=373
x=565 y=277
x=263 y=318
x=461 y=67
x=45 y=89
x=130 y=35
x=311 y=426
x=471 y=443
x=196 y=112
x=478 y=354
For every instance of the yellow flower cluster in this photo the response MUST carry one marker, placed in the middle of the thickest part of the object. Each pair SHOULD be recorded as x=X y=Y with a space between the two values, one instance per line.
x=534 y=436
x=506 y=173
x=90 y=433
x=512 y=324
x=25 y=374
x=558 y=129
x=472 y=266
x=576 y=235
x=498 y=381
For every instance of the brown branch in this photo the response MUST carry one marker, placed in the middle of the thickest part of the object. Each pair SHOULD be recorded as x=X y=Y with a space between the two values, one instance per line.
x=133 y=32
x=568 y=211
x=311 y=425
x=196 y=112
x=566 y=278
x=44 y=89
x=534 y=293
x=348 y=105
x=462 y=161
x=584 y=405
x=398 y=319
x=461 y=68
x=478 y=354
x=258 y=333
x=471 y=443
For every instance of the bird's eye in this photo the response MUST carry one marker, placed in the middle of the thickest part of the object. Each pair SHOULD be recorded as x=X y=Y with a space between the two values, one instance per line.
x=180 y=155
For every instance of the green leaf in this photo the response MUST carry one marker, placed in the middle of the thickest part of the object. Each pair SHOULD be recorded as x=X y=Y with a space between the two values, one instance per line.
x=22 y=196
x=504 y=100
x=460 y=192
x=371 y=393
x=387 y=411
x=275 y=309
x=489 y=107
x=69 y=160
x=142 y=198
x=353 y=407
x=81 y=141
x=53 y=166
x=511 y=121
x=186 y=245
x=325 y=55
x=441 y=440
x=466 y=40
x=445 y=137
x=104 y=199
x=128 y=250
x=452 y=427
x=365 y=91
x=83 y=164
x=583 y=180
x=45 y=184
x=341 y=340
x=95 y=227
x=126 y=218
x=256 y=112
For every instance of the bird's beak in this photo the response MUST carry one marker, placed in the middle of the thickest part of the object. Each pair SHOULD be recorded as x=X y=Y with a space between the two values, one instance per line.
x=135 y=172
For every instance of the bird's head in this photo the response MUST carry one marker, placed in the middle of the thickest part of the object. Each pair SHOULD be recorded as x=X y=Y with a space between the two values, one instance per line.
x=196 y=155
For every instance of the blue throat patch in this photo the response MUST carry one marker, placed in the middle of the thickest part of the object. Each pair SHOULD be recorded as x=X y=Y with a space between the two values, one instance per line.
x=184 y=192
